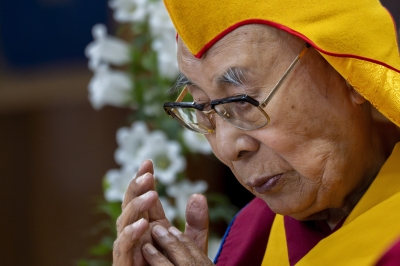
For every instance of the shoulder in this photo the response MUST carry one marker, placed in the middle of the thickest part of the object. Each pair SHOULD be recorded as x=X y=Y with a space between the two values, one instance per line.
x=246 y=238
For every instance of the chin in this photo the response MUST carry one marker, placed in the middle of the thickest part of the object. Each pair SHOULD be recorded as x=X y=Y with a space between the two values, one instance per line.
x=301 y=213
x=322 y=215
x=296 y=211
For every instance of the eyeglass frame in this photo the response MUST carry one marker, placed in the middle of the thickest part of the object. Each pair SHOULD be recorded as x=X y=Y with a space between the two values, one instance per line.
x=239 y=98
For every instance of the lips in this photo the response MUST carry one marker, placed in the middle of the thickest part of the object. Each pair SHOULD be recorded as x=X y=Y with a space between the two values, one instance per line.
x=264 y=185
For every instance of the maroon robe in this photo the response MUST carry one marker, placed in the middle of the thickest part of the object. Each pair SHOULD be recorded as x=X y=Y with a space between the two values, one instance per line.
x=246 y=238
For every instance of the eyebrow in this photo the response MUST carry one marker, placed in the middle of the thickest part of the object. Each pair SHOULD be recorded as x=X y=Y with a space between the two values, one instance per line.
x=234 y=75
x=180 y=82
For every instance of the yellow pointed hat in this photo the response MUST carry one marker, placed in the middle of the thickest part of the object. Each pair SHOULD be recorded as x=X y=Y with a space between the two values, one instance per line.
x=358 y=38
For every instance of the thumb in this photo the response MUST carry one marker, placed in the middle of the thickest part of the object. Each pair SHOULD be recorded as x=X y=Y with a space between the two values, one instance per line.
x=197 y=221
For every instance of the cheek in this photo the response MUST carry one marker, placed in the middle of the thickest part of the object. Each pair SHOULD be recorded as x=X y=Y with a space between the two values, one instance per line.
x=309 y=157
x=317 y=182
x=303 y=133
x=305 y=154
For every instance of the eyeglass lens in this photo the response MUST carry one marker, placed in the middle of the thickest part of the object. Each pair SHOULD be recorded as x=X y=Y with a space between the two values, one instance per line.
x=193 y=119
x=242 y=114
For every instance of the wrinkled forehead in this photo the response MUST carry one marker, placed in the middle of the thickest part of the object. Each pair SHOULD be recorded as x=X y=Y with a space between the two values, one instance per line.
x=253 y=52
x=245 y=39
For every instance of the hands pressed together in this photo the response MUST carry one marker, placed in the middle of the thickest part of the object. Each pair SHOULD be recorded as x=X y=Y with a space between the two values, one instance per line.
x=146 y=237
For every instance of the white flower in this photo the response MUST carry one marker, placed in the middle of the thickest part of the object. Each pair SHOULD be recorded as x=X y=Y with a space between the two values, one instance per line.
x=182 y=191
x=169 y=210
x=164 y=43
x=165 y=154
x=165 y=46
x=106 y=49
x=137 y=144
x=152 y=108
x=130 y=141
x=213 y=247
x=130 y=10
x=159 y=20
x=118 y=181
x=109 y=87
x=196 y=142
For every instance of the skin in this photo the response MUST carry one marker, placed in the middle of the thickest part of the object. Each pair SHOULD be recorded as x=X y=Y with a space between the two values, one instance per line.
x=318 y=125
x=321 y=140
x=142 y=214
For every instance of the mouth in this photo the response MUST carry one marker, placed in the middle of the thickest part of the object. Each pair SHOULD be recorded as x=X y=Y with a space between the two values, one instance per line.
x=266 y=184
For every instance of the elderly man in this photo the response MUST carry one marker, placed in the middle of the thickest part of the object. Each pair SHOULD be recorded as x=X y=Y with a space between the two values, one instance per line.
x=301 y=100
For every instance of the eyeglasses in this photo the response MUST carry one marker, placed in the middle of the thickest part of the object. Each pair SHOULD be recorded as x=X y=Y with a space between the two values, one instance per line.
x=242 y=111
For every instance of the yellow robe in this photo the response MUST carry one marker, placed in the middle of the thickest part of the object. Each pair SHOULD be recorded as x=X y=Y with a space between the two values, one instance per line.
x=370 y=229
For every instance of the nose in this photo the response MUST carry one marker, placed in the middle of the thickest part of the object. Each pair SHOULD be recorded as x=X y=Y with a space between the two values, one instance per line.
x=232 y=143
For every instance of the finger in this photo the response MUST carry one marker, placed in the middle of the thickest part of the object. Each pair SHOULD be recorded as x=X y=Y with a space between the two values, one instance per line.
x=135 y=208
x=154 y=257
x=157 y=215
x=196 y=253
x=143 y=182
x=126 y=241
x=145 y=167
x=176 y=251
x=197 y=221
x=137 y=187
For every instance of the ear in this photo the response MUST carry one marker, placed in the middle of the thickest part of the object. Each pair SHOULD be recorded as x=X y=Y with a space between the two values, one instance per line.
x=355 y=96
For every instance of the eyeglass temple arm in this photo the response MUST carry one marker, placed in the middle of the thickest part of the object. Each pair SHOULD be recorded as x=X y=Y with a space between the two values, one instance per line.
x=285 y=75
x=182 y=95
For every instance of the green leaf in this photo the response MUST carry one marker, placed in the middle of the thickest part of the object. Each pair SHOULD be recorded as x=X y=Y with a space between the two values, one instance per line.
x=149 y=61
x=99 y=250
x=105 y=247
x=220 y=208
x=93 y=263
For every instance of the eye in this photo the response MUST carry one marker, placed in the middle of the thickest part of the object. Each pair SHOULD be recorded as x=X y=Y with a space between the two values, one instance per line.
x=242 y=103
x=197 y=95
x=207 y=105
x=241 y=106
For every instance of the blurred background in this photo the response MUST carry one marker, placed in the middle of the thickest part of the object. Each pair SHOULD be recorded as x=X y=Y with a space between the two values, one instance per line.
x=54 y=147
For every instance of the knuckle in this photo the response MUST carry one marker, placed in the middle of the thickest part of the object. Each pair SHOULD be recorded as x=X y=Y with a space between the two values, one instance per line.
x=184 y=240
x=201 y=260
x=192 y=263
x=118 y=224
x=125 y=232
x=123 y=243
x=116 y=250
x=170 y=241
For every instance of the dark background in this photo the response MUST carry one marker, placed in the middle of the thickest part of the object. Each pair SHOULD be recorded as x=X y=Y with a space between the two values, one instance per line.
x=54 y=148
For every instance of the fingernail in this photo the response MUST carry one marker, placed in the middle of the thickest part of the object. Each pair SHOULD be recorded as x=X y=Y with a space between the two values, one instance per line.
x=160 y=231
x=145 y=195
x=174 y=231
x=142 y=177
x=139 y=179
x=137 y=223
x=150 y=249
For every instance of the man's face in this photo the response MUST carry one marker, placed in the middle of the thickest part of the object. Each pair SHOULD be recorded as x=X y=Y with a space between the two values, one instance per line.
x=313 y=154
